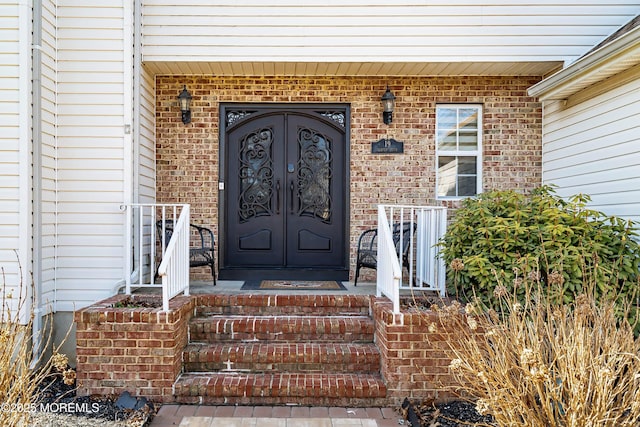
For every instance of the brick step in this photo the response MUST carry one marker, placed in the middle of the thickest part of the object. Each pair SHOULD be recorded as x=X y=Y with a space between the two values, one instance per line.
x=295 y=329
x=282 y=357
x=358 y=390
x=220 y=304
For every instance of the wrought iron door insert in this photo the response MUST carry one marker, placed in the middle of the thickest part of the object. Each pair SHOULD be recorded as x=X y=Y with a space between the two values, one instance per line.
x=285 y=197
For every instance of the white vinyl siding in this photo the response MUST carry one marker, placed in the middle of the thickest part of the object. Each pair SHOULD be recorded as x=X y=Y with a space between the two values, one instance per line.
x=14 y=143
x=92 y=83
x=592 y=146
x=147 y=139
x=377 y=30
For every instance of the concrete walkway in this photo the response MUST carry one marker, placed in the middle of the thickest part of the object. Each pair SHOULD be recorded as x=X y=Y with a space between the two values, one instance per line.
x=273 y=416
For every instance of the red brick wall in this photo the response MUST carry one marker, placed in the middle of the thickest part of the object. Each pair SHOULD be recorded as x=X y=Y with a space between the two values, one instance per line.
x=414 y=361
x=134 y=349
x=140 y=350
x=187 y=156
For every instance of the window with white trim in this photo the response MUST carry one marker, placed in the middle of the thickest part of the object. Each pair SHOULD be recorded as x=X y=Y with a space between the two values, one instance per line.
x=458 y=150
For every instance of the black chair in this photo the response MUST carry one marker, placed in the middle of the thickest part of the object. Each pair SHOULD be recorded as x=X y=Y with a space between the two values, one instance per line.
x=367 y=255
x=201 y=254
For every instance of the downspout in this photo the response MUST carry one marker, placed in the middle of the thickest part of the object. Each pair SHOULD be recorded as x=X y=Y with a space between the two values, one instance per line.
x=137 y=73
x=37 y=178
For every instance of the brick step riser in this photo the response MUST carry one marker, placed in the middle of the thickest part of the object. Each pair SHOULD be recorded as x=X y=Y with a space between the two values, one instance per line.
x=255 y=305
x=348 y=402
x=316 y=389
x=279 y=337
x=310 y=368
x=327 y=358
x=279 y=311
x=282 y=329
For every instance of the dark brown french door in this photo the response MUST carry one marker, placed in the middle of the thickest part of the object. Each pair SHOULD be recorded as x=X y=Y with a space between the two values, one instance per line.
x=285 y=196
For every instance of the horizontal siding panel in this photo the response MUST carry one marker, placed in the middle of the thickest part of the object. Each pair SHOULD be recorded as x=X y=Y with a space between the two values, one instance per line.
x=11 y=206
x=89 y=67
x=111 y=227
x=82 y=293
x=70 y=23
x=593 y=147
x=592 y=120
x=104 y=121
x=9 y=133
x=81 y=136
x=104 y=218
x=100 y=215
x=67 y=90
x=83 y=10
x=422 y=30
x=8 y=230
x=95 y=255
x=10 y=57
x=8 y=260
x=91 y=62
x=95 y=76
x=9 y=158
x=104 y=241
x=88 y=110
x=9 y=193
x=70 y=186
x=501 y=30
x=8 y=72
x=620 y=176
x=9 y=89
x=368 y=3
x=96 y=175
x=99 y=196
x=609 y=188
x=258 y=52
x=602 y=149
x=404 y=42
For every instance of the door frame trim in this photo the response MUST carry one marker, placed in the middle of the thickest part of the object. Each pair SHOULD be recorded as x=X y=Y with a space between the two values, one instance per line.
x=233 y=274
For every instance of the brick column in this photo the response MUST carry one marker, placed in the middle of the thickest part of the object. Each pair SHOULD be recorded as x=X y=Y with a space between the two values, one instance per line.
x=135 y=349
x=414 y=361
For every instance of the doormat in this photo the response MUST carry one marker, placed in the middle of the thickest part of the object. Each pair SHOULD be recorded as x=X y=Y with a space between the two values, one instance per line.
x=293 y=285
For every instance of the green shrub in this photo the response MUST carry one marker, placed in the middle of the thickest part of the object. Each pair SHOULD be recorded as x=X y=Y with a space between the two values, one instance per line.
x=503 y=237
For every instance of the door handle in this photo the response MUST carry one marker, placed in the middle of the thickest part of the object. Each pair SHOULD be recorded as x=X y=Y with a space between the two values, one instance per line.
x=291 y=188
x=278 y=197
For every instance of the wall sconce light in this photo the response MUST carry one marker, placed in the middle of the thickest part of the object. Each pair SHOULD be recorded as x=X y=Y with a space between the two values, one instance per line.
x=185 y=105
x=388 y=104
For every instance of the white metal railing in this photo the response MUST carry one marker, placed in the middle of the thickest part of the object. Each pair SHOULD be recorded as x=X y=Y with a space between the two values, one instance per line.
x=426 y=225
x=389 y=273
x=141 y=252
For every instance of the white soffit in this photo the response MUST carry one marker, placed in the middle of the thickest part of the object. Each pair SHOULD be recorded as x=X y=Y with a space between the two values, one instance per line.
x=353 y=68
x=611 y=59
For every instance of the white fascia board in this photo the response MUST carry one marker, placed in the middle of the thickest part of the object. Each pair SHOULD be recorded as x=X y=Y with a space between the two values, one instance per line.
x=612 y=58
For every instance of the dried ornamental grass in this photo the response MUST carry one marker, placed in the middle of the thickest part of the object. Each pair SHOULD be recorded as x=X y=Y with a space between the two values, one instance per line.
x=20 y=374
x=572 y=365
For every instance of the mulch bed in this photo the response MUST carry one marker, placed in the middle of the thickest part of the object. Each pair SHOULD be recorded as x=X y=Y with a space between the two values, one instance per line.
x=452 y=414
x=56 y=396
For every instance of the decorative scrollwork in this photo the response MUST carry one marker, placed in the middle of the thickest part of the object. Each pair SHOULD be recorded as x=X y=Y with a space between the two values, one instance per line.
x=335 y=116
x=314 y=174
x=255 y=174
x=234 y=116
